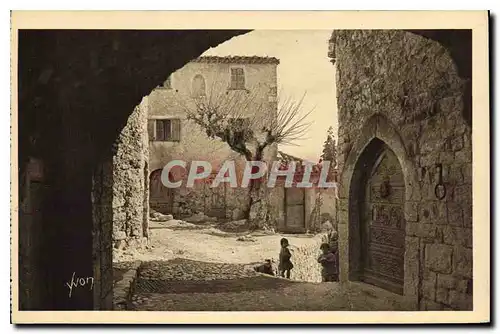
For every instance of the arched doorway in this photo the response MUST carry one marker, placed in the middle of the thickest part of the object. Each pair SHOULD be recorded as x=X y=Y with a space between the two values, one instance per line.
x=379 y=198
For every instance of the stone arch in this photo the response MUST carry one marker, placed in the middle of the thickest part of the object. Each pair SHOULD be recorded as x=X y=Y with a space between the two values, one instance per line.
x=376 y=132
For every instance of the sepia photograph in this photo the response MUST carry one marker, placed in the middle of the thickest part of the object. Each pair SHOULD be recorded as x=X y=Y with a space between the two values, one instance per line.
x=314 y=162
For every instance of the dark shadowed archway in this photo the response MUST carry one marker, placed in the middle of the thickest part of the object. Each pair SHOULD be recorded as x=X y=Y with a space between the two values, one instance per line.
x=77 y=89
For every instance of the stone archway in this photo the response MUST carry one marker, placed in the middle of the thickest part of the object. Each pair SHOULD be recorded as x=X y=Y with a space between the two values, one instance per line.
x=377 y=136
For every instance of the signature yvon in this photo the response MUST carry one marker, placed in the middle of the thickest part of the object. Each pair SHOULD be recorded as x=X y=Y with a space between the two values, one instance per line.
x=79 y=281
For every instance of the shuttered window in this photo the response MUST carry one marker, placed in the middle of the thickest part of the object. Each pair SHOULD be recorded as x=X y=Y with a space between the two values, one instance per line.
x=237 y=78
x=164 y=130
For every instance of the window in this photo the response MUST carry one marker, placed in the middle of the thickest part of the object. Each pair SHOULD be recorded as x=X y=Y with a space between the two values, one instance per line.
x=237 y=78
x=164 y=129
x=199 y=86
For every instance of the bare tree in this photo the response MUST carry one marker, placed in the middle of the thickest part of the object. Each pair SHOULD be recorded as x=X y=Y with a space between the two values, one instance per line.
x=249 y=121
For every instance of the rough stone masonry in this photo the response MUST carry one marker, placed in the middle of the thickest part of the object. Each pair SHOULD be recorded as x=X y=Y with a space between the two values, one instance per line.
x=405 y=90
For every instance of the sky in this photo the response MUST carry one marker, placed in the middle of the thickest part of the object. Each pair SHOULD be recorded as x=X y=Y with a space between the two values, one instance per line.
x=304 y=68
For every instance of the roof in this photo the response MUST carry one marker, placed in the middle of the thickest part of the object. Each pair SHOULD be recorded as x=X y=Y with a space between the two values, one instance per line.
x=237 y=60
x=282 y=156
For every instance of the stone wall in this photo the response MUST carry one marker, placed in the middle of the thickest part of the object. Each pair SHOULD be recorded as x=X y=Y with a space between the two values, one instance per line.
x=102 y=245
x=305 y=264
x=405 y=90
x=130 y=179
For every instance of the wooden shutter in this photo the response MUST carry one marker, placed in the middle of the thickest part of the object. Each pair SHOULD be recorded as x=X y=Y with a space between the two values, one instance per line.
x=160 y=130
x=176 y=129
x=151 y=129
x=241 y=78
x=233 y=78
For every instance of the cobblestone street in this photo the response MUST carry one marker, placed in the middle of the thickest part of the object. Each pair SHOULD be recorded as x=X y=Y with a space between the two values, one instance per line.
x=187 y=285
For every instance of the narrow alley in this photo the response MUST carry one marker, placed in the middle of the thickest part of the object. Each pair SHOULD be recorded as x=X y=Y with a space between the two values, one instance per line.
x=176 y=275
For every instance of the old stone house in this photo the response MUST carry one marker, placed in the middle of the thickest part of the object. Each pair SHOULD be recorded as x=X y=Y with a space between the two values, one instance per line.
x=405 y=214
x=172 y=136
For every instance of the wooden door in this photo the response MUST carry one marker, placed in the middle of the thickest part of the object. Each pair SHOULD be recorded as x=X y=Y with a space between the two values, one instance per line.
x=160 y=197
x=383 y=226
x=295 y=210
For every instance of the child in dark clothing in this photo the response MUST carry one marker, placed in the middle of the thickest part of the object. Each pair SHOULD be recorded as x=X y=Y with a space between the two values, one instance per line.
x=328 y=261
x=285 y=265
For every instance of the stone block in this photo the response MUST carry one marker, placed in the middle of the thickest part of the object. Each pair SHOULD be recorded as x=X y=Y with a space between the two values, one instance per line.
x=442 y=295
x=429 y=159
x=438 y=258
x=119 y=235
x=431 y=141
x=460 y=301
x=429 y=286
x=462 y=262
x=462 y=194
x=464 y=155
x=425 y=212
x=455 y=213
x=467 y=211
x=446 y=281
x=411 y=211
x=454 y=174
x=463 y=285
x=421 y=230
x=438 y=211
x=467 y=173
x=411 y=266
x=457 y=143
x=430 y=305
x=453 y=235
x=446 y=158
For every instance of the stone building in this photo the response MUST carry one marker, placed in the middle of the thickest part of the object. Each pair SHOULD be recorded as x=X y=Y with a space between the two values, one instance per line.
x=405 y=161
x=173 y=137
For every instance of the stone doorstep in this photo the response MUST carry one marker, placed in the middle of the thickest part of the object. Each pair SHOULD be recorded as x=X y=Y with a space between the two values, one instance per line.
x=124 y=288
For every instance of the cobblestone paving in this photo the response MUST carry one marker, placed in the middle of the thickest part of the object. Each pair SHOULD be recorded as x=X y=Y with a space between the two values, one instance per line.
x=120 y=268
x=186 y=285
x=189 y=270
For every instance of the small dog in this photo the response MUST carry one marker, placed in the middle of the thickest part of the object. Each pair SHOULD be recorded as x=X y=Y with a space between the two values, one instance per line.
x=266 y=268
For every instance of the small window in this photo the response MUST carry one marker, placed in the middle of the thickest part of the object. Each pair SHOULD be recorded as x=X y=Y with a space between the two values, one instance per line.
x=199 y=89
x=164 y=130
x=237 y=78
